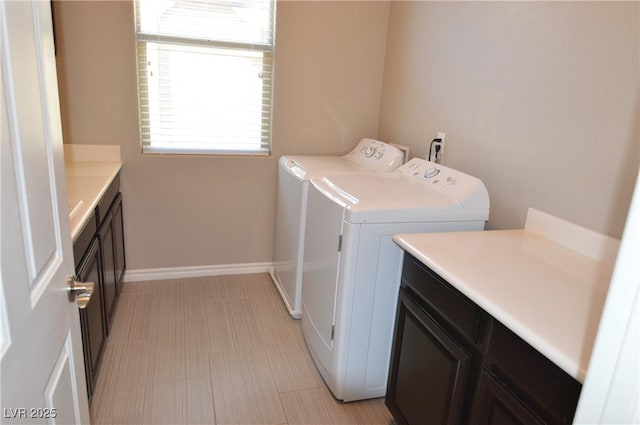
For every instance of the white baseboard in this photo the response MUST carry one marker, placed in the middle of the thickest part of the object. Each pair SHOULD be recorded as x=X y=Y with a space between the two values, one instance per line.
x=196 y=271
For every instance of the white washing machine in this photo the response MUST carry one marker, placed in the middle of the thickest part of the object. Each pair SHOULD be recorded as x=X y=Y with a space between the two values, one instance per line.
x=294 y=173
x=351 y=268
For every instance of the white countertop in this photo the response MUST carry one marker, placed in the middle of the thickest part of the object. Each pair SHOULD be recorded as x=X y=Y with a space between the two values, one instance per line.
x=87 y=181
x=548 y=294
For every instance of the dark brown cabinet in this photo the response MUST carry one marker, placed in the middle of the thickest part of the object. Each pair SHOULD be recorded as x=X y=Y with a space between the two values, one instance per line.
x=105 y=236
x=426 y=392
x=100 y=258
x=111 y=237
x=120 y=262
x=526 y=383
x=452 y=363
x=495 y=404
x=91 y=317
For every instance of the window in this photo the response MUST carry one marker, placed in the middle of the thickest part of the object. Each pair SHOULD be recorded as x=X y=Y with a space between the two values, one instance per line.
x=205 y=75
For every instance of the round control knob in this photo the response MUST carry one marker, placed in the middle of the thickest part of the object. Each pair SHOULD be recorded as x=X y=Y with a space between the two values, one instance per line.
x=431 y=172
x=378 y=155
x=369 y=152
x=362 y=149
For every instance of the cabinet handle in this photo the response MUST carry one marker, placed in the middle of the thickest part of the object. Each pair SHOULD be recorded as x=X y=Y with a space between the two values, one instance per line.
x=80 y=292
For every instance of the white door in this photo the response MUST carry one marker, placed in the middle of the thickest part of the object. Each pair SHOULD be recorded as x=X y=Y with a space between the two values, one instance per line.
x=611 y=393
x=42 y=369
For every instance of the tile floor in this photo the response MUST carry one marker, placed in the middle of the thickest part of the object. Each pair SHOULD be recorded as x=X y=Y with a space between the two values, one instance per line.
x=214 y=350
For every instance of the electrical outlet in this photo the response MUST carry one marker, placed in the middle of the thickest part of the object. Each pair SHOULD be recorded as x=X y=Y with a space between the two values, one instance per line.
x=436 y=149
x=441 y=136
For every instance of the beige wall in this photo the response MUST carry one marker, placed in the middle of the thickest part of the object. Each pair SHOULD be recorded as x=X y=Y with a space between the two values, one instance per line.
x=196 y=211
x=538 y=99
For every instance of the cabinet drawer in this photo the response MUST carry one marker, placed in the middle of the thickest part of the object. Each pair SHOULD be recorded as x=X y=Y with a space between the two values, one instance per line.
x=531 y=375
x=443 y=299
x=81 y=245
x=107 y=199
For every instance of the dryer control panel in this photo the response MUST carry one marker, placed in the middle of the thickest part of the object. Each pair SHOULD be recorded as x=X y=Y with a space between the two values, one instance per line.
x=470 y=190
x=374 y=155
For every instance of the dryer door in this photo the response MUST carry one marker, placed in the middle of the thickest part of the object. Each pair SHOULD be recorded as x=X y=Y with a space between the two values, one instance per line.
x=324 y=224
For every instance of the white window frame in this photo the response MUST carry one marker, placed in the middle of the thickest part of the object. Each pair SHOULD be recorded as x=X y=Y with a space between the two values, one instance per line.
x=220 y=147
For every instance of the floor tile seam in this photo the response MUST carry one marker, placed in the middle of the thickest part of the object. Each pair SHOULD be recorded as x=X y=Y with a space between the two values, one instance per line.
x=282 y=406
x=128 y=341
x=293 y=390
x=148 y=388
x=270 y=352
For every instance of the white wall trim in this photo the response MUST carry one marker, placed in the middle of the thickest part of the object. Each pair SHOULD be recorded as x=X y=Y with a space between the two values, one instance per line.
x=196 y=271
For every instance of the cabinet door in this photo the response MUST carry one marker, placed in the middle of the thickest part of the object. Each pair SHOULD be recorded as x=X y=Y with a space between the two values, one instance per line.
x=429 y=370
x=548 y=390
x=496 y=405
x=88 y=370
x=120 y=263
x=105 y=234
x=91 y=317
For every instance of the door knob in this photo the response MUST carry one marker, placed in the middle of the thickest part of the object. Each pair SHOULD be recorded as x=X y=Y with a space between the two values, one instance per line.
x=80 y=292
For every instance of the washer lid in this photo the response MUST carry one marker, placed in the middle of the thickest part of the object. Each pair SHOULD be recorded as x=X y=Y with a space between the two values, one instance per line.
x=306 y=167
x=413 y=193
x=368 y=156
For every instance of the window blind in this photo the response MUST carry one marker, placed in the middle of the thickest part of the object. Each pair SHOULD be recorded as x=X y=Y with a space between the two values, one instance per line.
x=205 y=75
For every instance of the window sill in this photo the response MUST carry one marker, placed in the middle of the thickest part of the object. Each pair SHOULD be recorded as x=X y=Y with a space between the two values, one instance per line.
x=203 y=152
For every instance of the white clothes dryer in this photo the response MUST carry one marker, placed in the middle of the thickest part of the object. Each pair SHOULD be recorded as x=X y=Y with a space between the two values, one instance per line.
x=294 y=173
x=351 y=268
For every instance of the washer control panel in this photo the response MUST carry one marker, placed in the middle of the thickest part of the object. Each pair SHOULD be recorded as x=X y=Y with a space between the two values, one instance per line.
x=375 y=155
